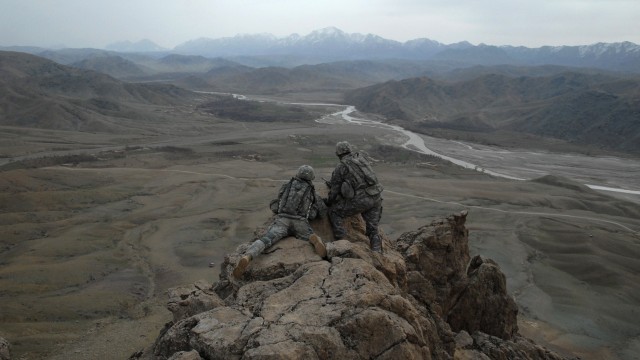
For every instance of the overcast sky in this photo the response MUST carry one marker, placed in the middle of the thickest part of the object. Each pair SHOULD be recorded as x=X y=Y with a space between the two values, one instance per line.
x=532 y=23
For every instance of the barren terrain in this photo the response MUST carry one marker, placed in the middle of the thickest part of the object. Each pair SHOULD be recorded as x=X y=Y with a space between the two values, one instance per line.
x=89 y=245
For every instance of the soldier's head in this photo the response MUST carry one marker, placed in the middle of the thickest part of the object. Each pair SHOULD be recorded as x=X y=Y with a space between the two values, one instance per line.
x=305 y=172
x=343 y=148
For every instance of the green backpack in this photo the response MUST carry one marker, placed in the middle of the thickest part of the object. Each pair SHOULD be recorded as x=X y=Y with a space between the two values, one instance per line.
x=361 y=176
x=295 y=198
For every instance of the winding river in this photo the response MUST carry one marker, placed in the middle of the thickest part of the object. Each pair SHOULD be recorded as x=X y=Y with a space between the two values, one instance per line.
x=614 y=174
x=607 y=166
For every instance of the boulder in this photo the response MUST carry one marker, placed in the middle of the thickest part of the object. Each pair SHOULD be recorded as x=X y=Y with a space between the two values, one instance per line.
x=356 y=304
x=186 y=301
x=484 y=304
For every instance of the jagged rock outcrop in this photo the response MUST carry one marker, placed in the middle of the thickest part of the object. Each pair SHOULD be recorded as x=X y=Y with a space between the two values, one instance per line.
x=419 y=300
x=5 y=350
x=483 y=305
x=436 y=257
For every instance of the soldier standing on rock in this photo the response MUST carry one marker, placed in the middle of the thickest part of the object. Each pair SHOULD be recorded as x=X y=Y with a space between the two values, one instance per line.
x=354 y=189
x=297 y=203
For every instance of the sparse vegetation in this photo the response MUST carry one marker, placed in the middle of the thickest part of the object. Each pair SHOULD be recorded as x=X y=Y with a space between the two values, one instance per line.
x=72 y=160
x=254 y=111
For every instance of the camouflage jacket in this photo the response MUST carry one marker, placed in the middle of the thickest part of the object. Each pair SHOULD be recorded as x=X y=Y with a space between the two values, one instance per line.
x=353 y=177
x=298 y=199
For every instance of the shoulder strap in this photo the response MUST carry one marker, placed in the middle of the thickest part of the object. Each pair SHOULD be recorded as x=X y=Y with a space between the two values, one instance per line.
x=301 y=209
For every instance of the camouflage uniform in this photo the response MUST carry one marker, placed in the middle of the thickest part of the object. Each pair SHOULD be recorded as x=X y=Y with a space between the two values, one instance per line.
x=350 y=194
x=294 y=222
x=297 y=203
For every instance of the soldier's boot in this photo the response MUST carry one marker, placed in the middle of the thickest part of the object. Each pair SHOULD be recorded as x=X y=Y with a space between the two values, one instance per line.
x=376 y=244
x=241 y=266
x=254 y=250
x=318 y=245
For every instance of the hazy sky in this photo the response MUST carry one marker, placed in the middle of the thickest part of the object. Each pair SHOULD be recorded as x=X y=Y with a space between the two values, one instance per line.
x=533 y=23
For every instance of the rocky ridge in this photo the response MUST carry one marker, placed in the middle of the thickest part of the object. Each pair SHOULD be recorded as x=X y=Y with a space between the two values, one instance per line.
x=424 y=298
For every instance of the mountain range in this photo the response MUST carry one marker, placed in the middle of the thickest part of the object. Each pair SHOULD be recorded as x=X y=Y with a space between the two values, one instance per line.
x=584 y=94
x=579 y=106
x=332 y=44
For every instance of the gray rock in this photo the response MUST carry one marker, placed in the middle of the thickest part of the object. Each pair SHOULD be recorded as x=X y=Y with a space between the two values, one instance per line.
x=291 y=304
x=186 y=301
x=484 y=304
x=464 y=340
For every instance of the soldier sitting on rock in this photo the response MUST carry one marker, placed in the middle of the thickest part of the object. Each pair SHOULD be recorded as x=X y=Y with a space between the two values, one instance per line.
x=354 y=189
x=297 y=203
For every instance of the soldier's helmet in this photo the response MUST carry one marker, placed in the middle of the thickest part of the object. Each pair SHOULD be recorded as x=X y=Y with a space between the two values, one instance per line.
x=305 y=172
x=343 y=148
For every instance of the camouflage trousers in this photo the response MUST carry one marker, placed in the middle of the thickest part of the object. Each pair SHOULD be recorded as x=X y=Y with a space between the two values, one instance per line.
x=370 y=207
x=278 y=230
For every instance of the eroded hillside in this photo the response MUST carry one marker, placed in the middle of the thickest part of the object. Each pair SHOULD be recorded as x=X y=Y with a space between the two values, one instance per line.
x=587 y=109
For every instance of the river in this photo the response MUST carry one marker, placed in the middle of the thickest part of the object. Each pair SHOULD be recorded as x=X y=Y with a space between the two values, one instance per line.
x=611 y=174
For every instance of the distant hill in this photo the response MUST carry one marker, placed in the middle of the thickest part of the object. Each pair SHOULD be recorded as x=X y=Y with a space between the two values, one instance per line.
x=273 y=80
x=189 y=64
x=70 y=56
x=593 y=109
x=136 y=66
x=336 y=76
x=469 y=73
x=114 y=66
x=144 y=45
x=37 y=92
x=25 y=49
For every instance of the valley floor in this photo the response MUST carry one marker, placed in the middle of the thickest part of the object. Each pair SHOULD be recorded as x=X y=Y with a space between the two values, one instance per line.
x=88 y=248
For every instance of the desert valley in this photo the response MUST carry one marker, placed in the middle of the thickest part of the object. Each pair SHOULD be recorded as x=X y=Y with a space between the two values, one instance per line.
x=124 y=174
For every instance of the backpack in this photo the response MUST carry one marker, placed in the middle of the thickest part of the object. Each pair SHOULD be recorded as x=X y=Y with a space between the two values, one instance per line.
x=361 y=176
x=295 y=198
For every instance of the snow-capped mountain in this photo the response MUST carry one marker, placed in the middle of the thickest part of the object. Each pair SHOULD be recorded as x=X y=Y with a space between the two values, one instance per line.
x=332 y=44
x=623 y=56
x=329 y=42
